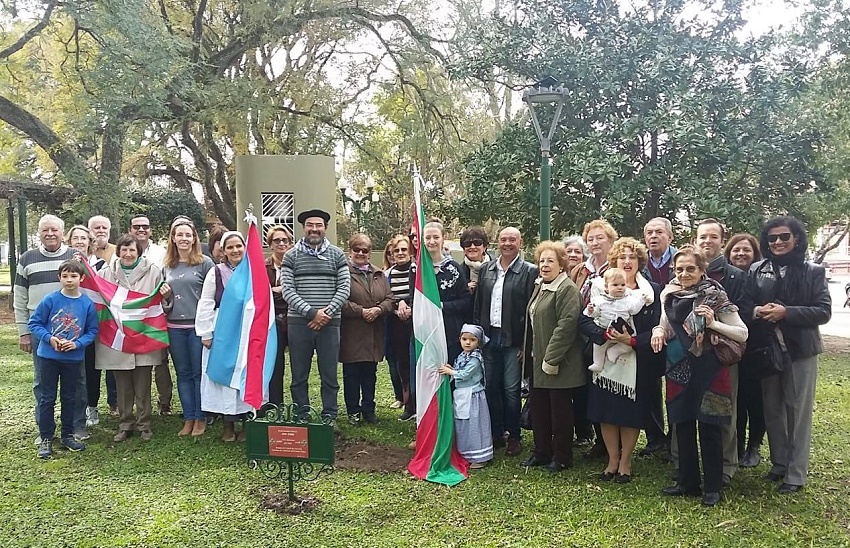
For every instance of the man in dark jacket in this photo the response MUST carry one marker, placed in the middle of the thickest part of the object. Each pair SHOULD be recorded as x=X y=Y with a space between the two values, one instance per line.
x=657 y=235
x=504 y=288
x=710 y=240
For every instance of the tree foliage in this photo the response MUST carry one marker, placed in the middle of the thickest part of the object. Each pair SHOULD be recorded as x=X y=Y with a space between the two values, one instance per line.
x=669 y=113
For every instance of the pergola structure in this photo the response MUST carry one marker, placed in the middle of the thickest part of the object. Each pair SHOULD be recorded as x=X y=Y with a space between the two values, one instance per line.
x=17 y=193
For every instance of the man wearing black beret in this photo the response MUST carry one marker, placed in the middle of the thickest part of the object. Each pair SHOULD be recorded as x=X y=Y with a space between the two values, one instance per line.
x=316 y=283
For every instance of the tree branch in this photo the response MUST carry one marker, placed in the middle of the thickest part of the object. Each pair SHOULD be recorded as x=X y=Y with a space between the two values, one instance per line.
x=31 y=33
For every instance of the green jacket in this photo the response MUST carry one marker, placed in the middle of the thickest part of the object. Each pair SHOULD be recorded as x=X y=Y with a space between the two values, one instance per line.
x=551 y=334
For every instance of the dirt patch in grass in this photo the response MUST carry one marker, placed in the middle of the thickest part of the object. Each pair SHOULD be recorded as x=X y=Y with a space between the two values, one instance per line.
x=368 y=456
x=836 y=345
x=280 y=503
x=7 y=315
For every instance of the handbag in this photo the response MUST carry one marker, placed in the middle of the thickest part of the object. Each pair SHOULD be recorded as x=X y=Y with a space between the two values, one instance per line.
x=728 y=352
x=768 y=361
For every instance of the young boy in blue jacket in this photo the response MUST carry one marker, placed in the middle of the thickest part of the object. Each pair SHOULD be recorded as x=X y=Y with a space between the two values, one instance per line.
x=65 y=322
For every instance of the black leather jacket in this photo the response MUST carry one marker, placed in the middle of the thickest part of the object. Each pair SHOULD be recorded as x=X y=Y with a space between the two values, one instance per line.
x=806 y=306
x=517 y=289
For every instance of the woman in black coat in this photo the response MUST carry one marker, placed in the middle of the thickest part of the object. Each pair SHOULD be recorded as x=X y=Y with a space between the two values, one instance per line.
x=792 y=295
x=623 y=411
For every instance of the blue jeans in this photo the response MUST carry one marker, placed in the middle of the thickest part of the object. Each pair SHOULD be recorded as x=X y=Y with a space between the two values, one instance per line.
x=62 y=377
x=186 y=349
x=302 y=342
x=80 y=400
x=503 y=375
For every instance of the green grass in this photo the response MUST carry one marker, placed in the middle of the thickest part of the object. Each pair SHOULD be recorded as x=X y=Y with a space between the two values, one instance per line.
x=180 y=492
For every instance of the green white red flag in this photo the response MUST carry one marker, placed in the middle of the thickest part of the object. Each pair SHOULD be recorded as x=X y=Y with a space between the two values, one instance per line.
x=436 y=458
x=128 y=321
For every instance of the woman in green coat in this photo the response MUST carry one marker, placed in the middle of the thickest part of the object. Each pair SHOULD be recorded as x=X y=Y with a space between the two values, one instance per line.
x=553 y=359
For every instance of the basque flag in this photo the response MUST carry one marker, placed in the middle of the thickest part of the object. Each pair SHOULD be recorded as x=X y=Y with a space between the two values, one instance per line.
x=245 y=338
x=436 y=458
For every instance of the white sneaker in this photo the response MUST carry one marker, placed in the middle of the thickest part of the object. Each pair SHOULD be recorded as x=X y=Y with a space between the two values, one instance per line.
x=92 y=416
x=595 y=368
x=37 y=441
x=82 y=435
x=396 y=405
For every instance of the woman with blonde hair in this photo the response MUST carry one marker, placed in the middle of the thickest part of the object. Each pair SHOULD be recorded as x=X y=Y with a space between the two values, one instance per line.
x=599 y=236
x=620 y=397
x=184 y=270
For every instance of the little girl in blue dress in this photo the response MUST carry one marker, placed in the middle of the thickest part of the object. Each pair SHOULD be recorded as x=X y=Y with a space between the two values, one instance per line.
x=472 y=417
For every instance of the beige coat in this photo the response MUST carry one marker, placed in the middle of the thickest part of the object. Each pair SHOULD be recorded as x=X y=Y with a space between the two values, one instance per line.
x=551 y=335
x=144 y=279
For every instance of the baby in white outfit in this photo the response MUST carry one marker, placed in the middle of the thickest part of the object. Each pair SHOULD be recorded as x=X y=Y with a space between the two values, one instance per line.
x=616 y=305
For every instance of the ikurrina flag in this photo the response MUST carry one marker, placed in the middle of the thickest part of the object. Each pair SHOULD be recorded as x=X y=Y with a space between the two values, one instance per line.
x=245 y=337
x=128 y=321
x=436 y=458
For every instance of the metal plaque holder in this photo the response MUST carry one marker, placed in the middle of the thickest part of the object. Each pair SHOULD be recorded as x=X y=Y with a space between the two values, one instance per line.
x=290 y=442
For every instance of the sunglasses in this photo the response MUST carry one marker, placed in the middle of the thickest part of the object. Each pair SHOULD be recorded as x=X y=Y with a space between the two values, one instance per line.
x=689 y=269
x=360 y=250
x=281 y=240
x=401 y=250
x=783 y=236
x=476 y=242
x=140 y=227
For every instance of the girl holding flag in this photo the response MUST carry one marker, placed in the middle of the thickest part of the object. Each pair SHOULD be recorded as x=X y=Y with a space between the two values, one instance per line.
x=215 y=397
x=472 y=416
x=236 y=324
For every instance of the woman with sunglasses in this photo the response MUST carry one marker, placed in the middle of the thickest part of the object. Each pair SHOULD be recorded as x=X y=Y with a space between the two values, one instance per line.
x=474 y=242
x=399 y=324
x=695 y=309
x=792 y=295
x=361 y=343
x=279 y=239
x=184 y=270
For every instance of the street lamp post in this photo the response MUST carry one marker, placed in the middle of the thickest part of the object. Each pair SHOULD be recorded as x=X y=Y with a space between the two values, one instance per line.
x=545 y=92
x=359 y=205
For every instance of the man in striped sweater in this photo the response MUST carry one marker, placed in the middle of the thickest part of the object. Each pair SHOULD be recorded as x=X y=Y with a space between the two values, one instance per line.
x=36 y=277
x=316 y=283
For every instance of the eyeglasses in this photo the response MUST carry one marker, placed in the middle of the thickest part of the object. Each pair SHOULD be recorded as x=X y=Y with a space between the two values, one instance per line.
x=689 y=269
x=360 y=250
x=400 y=250
x=281 y=240
x=140 y=227
x=782 y=236
x=476 y=242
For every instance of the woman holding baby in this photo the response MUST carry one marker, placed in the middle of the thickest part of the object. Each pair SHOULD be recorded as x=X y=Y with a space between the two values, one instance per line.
x=617 y=399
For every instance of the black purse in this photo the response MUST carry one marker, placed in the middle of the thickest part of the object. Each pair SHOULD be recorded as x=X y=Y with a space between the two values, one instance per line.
x=767 y=361
x=525 y=413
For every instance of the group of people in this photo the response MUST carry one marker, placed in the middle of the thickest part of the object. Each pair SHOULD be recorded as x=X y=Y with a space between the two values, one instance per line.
x=594 y=325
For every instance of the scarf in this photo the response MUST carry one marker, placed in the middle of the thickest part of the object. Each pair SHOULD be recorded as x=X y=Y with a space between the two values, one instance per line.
x=698 y=387
x=680 y=305
x=303 y=246
x=464 y=358
x=592 y=274
x=474 y=268
x=476 y=331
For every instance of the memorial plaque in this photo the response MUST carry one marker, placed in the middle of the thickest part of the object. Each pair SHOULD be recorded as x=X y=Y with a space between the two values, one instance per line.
x=289 y=441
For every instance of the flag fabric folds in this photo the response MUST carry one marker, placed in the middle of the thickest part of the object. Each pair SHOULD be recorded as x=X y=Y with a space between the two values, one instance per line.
x=436 y=458
x=128 y=321
x=245 y=337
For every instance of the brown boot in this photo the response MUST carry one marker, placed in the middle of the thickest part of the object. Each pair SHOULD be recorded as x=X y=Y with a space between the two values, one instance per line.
x=228 y=434
x=199 y=428
x=240 y=435
x=187 y=428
